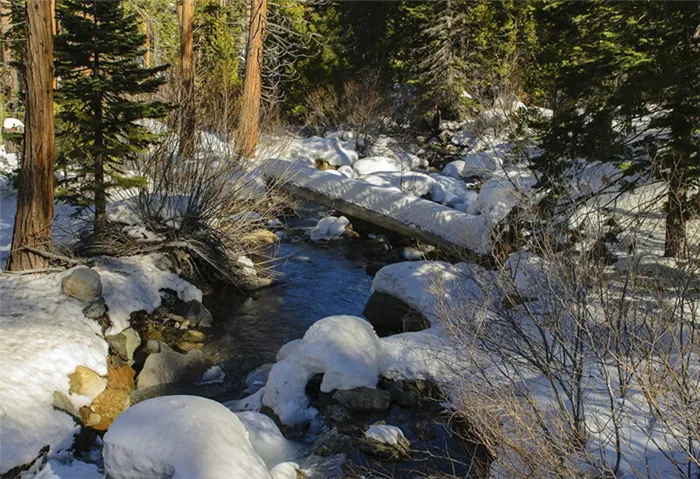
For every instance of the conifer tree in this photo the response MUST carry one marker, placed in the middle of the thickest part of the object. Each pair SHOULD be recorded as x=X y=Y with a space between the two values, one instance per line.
x=102 y=83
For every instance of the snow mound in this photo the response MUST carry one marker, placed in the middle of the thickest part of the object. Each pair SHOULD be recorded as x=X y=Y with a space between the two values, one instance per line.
x=454 y=169
x=385 y=434
x=134 y=284
x=390 y=147
x=44 y=336
x=266 y=438
x=180 y=437
x=328 y=228
x=499 y=196
x=331 y=150
x=452 y=191
x=433 y=287
x=378 y=164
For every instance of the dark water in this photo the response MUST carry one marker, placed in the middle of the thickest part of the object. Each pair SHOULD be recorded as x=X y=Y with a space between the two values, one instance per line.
x=314 y=283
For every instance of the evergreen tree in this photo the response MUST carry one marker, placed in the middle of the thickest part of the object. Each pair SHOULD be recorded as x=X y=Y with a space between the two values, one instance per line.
x=101 y=81
x=627 y=91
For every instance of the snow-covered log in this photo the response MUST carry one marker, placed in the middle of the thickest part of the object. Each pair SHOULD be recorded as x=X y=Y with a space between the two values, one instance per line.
x=434 y=224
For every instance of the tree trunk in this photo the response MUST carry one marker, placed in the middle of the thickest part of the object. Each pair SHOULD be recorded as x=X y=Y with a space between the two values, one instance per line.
x=675 y=245
x=9 y=77
x=249 y=125
x=35 y=194
x=188 y=109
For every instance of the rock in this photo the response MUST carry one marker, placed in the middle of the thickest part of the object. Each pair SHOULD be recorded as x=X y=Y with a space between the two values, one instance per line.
x=61 y=402
x=390 y=315
x=197 y=314
x=185 y=347
x=260 y=237
x=86 y=382
x=105 y=409
x=170 y=367
x=332 y=443
x=121 y=378
x=83 y=284
x=96 y=309
x=363 y=399
x=153 y=346
x=193 y=336
x=386 y=442
x=374 y=266
x=125 y=343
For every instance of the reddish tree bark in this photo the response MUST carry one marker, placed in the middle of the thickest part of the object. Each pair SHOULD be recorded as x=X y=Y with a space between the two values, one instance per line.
x=249 y=125
x=188 y=109
x=35 y=194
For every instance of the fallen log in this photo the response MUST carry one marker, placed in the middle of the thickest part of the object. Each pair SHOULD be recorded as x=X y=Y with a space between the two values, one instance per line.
x=448 y=229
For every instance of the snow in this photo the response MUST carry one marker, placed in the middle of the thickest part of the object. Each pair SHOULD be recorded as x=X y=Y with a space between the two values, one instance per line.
x=410 y=182
x=266 y=438
x=347 y=171
x=288 y=349
x=481 y=164
x=10 y=124
x=377 y=164
x=71 y=470
x=44 y=336
x=451 y=191
x=181 y=437
x=214 y=374
x=385 y=434
x=386 y=146
x=454 y=169
x=135 y=283
x=498 y=196
x=462 y=230
x=331 y=150
x=328 y=228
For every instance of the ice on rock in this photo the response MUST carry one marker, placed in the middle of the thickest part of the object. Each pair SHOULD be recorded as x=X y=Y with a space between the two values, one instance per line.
x=180 y=437
x=329 y=227
x=266 y=438
x=378 y=164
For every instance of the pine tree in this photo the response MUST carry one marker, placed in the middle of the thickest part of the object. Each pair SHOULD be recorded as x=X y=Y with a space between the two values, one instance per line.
x=97 y=60
x=627 y=91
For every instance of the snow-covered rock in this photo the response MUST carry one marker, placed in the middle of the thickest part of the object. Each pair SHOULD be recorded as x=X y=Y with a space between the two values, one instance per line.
x=481 y=164
x=288 y=349
x=347 y=171
x=180 y=437
x=13 y=125
x=386 y=146
x=451 y=191
x=266 y=438
x=329 y=227
x=386 y=442
x=499 y=196
x=330 y=150
x=454 y=169
x=377 y=164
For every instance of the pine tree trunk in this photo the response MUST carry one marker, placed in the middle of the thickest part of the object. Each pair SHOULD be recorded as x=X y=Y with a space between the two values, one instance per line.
x=188 y=109
x=249 y=124
x=9 y=77
x=35 y=195
x=675 y=245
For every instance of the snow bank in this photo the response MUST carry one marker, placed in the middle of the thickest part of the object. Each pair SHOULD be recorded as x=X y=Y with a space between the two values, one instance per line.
x=134 y=284
x=331 y=150
x=181 y=437
x=390 y=147
x=377 y=164
x=44 y=336
x=410 y=182
x=328 y=228
x=462 y=230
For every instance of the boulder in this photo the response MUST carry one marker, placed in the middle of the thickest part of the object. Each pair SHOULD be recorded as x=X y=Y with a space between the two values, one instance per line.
x=169 y=367
x=363 y=399
x=197 y=314
x=386 y=442
x=83 y=284
x=390 y=315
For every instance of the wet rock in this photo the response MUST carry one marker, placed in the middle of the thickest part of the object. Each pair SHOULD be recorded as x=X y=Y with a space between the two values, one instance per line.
x=363 y=399
x=169 y=367
x=86 y=382
x=83 y=284
x=197 y=314
x=96 y=309
x=390 y=315
x=332 y=443
x=386 y=442
x=373 y=267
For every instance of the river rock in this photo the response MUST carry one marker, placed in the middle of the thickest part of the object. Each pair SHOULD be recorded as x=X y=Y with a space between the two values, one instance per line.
x=86 y=382
x=197 y=314
x=96 y=309
x=390 y=315
x=363 y=399
x=170 y=367
x=194 y=336
x=386 y=442
x=83 y=283
x=125 y=343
